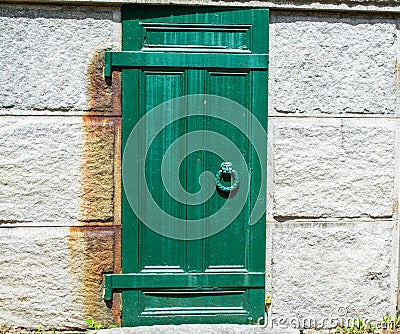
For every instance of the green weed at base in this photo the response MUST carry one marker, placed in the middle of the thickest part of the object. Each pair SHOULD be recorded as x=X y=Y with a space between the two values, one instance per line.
x=92 y=325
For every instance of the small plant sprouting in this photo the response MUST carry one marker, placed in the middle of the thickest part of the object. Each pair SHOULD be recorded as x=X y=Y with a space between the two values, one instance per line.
x=387 y=319
x=92 y=325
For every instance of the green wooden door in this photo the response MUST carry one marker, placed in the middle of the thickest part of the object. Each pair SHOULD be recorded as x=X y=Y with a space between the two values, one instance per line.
x=194 y=95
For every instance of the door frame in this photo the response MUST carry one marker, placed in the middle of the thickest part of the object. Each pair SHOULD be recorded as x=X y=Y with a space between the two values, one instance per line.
x=119 y=282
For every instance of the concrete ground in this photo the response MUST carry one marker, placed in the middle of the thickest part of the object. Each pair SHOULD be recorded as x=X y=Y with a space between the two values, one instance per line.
x=199 y=329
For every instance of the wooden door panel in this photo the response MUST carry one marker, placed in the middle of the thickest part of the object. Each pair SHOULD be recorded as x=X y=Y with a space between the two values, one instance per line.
x=232 y=84
x=194 y=29
x=171 y=306
x=220 y=254
x=157 y=252
x=168 y=83
x=171 y=52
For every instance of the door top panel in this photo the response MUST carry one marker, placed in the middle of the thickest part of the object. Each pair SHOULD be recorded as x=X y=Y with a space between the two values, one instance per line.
x=194 y=29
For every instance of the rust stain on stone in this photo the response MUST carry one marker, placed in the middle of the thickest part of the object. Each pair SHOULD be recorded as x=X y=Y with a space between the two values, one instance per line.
x=100 y=190
x=99 y=93
x=117 y=297
x=92 y=251
x=103 y=97
x=116 y=93
x=97 y=170
x=117 y=171
x=95 y=244
x=117 y=111
x=395 y=207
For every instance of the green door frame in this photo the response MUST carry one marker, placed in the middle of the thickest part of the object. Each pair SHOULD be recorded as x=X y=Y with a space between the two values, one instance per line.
x=225 y=49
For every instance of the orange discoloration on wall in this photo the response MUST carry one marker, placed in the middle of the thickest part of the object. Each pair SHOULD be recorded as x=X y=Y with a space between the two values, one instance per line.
x=117 y=300
x=97 y=172
x=117 y=171
x=117 y=111
x=116 y=93
x=99 y=93
x=395 y=207
x=116 y=87
x=91 y=256
x=95 y=244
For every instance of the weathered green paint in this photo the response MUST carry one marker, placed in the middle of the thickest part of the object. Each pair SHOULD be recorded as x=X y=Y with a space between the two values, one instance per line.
x=186 y=280
x=134 y=59
x=170 y=52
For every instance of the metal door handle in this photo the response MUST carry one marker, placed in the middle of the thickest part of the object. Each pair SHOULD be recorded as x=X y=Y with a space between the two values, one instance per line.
x=225 y=171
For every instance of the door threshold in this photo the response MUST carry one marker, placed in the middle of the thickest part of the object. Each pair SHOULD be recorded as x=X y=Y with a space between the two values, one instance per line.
x=203 y=329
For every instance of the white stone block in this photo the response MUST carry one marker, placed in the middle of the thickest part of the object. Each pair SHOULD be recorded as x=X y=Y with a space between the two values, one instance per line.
x=55 y=170
x=52 y=277
x=333 y=168
x=331 y=64
x=46 y=57
x=322 y=272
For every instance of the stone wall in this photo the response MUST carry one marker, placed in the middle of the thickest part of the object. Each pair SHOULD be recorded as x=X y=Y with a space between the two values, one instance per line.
x=333 y=161
x=58 y=130
x=334 y=127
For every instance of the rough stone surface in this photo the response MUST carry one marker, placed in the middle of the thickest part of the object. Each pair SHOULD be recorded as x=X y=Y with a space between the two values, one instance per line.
x=50 y=276
x=40 y=169
x=333 y=169
x=330 y=64
x=333 y=271
x=97 y=181
x=91 y=255
x=55 y=170
x=204 y=329
x=342 y=5
x=49 y=58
